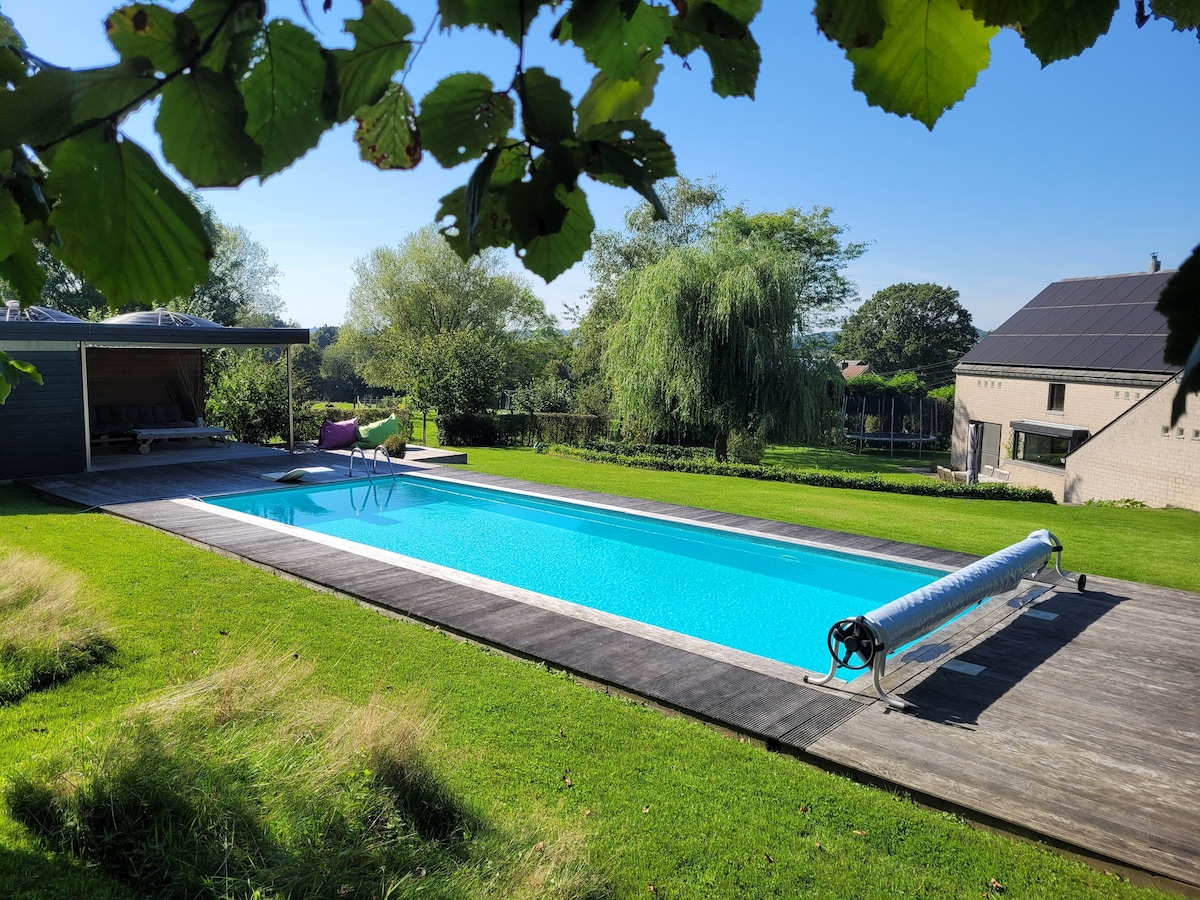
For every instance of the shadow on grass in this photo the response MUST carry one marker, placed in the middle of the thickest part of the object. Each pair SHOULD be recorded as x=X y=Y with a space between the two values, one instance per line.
x=25 y=670
x=173 y=822
x=37 y=875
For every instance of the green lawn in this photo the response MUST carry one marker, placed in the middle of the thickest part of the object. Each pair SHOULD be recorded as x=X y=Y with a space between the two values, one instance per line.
x=578 y=793
x=903 y=465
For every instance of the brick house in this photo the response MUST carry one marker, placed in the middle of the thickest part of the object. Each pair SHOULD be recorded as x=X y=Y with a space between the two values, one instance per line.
x=1072 y=394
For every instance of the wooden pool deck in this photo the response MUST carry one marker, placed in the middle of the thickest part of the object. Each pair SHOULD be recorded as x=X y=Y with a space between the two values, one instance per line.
x=1082 y=729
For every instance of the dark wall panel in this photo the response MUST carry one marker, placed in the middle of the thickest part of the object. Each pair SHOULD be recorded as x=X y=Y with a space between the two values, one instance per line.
x=41 y=427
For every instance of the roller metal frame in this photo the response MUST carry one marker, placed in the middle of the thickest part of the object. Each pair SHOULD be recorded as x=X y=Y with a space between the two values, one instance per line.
x=859 y=640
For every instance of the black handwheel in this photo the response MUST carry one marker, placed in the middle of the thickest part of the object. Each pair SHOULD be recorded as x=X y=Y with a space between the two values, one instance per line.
x=855 y=640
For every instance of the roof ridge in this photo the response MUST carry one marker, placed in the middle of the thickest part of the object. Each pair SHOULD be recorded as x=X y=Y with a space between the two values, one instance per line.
x=1118 y=275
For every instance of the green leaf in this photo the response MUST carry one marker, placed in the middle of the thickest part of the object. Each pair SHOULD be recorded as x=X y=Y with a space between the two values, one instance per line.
x=722 y=31
x=630 y=154
x=381 y=49
x=1005 y=13
x=27 y=369
x=462 y=117
x=608 y=99
x=1180 y=304
x=12 y=223
x=387 y=133
x=493 y=228
x=613 y=42
x=283 y=95
x=54 y=102
x=639 y=140
x=239 y=21
x=477 y=189
x=1065 y=28
x=144 y=29
x=534 y=202
x=549 y=255
x=546 y=108
x=12 y=67
x=202 y=124
x=929 y=57
x=8 y=34
x=124 y=225
x=850 y=23
x=1184 y=14
x=21 y=270
x=510 y=18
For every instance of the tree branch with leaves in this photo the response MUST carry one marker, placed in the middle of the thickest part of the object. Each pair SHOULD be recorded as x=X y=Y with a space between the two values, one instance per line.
x=241 y=95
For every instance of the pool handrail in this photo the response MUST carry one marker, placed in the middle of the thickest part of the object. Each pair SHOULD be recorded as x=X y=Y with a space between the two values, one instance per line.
x=375 y=451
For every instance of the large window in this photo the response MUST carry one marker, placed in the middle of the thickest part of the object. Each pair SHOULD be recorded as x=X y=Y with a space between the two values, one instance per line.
x=1041 y=448
x=1045 y=443
x=1058 y=396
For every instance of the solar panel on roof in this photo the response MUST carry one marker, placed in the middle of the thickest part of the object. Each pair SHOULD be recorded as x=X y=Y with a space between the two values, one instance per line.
x=1095 y=323
x=1145 y=356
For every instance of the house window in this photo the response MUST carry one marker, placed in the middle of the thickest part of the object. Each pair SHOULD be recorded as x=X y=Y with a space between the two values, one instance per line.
x=1041 y=448
x=1058 y=395
x=1046 y=445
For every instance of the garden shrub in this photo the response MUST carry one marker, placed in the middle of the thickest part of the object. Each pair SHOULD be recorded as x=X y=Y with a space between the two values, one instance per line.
x=700 y=465
x=746 y=447
x=250 y=397
x=395 y=445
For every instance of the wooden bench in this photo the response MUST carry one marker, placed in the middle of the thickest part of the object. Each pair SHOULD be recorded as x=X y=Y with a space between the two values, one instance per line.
x=144 y=437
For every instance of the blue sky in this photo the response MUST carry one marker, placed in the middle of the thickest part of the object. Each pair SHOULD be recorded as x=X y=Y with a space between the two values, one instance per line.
x=1082 y=168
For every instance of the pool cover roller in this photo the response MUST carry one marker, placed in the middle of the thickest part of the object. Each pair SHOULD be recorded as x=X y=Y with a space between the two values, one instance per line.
x=868 y=639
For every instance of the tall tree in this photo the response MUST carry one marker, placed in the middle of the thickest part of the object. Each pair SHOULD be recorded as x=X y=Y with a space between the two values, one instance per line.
x=423 y=289
x=691 y=207
x=711 y=334
x=242 y=287
x=908 y=327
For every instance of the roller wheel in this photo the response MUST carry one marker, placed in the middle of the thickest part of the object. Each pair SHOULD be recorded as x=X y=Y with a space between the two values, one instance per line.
x=144 y=448
x=851 y=644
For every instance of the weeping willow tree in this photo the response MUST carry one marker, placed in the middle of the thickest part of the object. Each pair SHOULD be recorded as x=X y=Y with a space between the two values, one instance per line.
x=714 y=335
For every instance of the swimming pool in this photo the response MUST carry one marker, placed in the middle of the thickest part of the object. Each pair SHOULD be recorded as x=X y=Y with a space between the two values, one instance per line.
x=768 y=597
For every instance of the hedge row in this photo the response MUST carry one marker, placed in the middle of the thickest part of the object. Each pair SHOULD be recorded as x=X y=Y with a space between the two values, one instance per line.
x=658 y=451
x=703 y=466
x=487 y=430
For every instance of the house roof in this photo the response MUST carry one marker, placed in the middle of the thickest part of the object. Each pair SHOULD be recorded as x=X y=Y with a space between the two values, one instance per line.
x=854 y=369
x=1100 y=324
x=101 y=334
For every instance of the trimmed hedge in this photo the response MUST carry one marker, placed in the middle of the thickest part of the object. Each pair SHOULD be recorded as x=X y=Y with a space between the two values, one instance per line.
x=708 y=466
x=521 y=429
x=658 y=451
x=467 y=430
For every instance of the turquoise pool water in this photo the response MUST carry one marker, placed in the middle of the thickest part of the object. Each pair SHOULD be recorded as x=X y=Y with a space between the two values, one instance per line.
x=768 y=597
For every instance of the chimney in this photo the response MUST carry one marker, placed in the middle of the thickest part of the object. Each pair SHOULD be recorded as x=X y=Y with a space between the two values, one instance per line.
x=1155 y=265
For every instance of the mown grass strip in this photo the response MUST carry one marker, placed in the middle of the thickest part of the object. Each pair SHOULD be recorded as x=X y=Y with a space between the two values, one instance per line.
x=925 y=487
